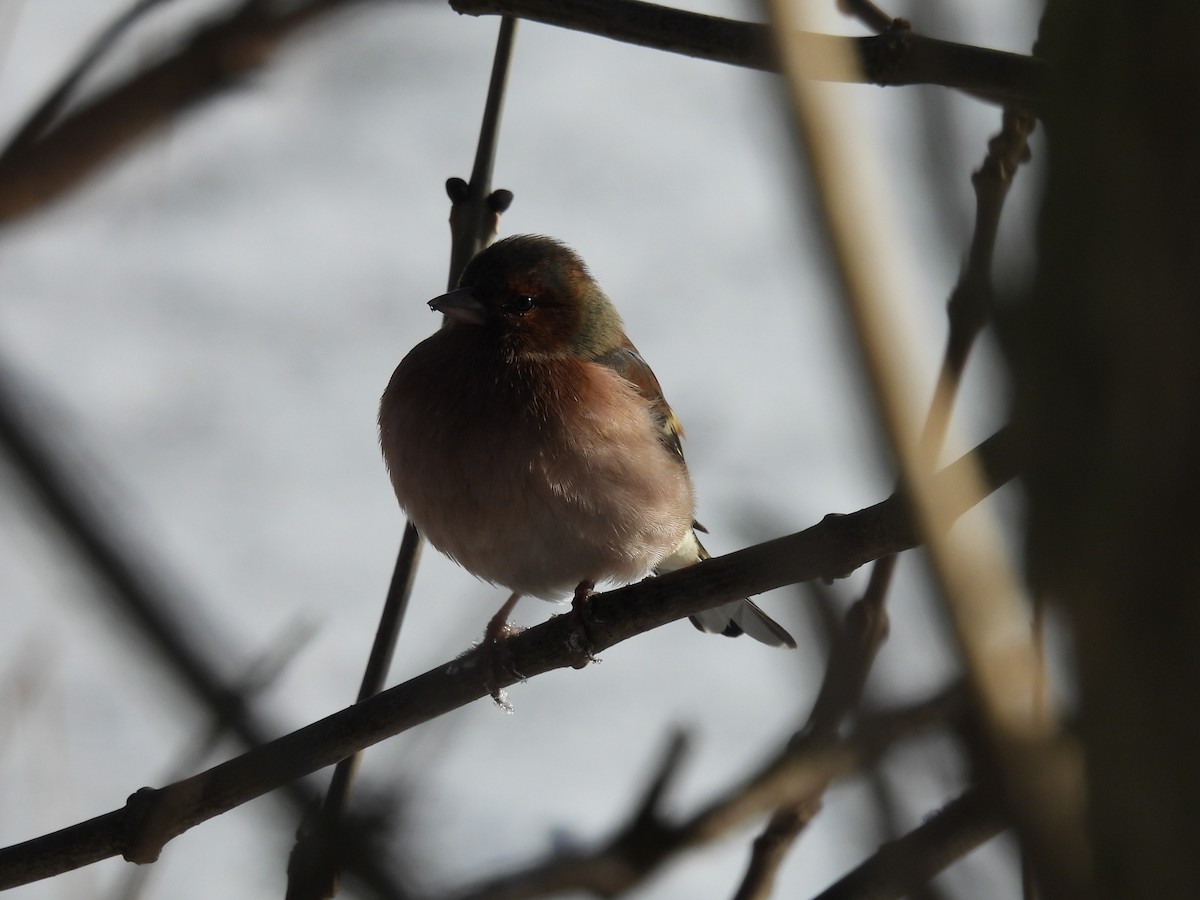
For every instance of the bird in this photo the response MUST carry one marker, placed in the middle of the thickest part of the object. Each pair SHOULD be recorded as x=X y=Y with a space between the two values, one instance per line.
x=529 y=441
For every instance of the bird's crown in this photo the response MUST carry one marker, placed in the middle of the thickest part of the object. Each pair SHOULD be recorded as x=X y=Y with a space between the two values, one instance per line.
x=537 y=295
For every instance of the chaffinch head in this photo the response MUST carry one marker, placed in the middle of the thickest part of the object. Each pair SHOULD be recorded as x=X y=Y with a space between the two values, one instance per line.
x=530 y=442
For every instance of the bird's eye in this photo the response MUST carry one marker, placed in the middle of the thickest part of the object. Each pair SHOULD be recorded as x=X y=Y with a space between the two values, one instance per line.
x=521 y=304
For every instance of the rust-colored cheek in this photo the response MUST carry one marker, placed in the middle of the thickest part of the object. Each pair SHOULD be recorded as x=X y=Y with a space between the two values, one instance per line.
x=544 y=331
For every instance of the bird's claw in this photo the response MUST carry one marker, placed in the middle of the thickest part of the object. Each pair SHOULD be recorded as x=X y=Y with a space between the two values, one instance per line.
x=582 y=639
x=497 y=663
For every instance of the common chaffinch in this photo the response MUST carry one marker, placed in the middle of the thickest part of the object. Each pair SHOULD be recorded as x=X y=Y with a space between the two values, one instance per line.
x=530 y=442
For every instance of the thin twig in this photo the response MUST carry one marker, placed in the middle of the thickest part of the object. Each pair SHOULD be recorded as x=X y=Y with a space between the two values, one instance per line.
x=870 y=15
x=838 y=544
x=851 y=653
x=314 y=866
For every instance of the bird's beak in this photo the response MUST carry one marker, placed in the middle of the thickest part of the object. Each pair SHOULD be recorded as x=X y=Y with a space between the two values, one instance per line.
x=461 y=306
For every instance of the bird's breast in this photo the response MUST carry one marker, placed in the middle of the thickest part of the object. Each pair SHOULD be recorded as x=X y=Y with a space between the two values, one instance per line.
x=533 y=475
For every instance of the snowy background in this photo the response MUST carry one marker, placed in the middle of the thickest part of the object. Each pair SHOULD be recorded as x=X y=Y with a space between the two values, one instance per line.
x=205 y=330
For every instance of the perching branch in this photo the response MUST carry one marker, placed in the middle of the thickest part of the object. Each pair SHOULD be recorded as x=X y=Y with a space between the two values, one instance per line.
x=897 y=57
x=835 y=546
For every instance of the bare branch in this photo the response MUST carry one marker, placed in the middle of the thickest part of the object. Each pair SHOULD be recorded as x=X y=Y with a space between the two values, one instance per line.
x=56 y=100
x=901 y=866
x=897 y=57
x=771 y=847
x=47 y=160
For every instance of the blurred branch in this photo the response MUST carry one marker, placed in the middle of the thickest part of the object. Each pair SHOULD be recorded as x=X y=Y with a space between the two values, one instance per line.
x=856 y=644
x=897 y=57
x=835 y=546
x=141 y=599
x=903 y=865
x=829 y=624
x=260 y=675
x=968 y=309
x=45 y=160
x=38 y=121
x=1036 y=761
x=124 y=577
x=973 y=298
x=771 y=846
x=795 y=774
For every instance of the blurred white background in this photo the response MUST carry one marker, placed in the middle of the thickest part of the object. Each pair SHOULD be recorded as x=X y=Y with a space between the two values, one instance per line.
x=205 y=330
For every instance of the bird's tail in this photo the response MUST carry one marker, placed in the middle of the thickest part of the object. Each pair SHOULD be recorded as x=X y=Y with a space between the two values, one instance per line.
x=732 y=619
x=743 y=617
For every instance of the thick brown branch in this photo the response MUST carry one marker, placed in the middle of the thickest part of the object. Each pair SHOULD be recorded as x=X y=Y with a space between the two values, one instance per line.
x=835 y=546
x=897 y=57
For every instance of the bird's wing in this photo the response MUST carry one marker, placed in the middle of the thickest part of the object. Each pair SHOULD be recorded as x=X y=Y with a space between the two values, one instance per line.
x=628 y=363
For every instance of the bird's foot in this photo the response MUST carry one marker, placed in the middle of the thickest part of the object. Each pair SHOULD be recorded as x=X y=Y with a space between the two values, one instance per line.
x=582 y=639
x=495 y=657
x=496 y=660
